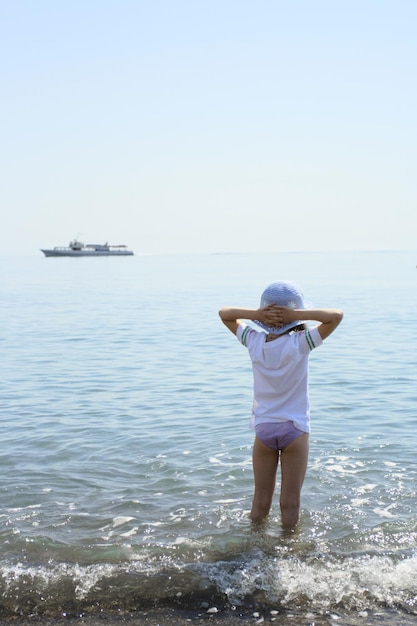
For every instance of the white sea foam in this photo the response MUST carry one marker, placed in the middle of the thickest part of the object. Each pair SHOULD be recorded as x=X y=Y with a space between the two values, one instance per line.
x=121 y=520
x=351 y=582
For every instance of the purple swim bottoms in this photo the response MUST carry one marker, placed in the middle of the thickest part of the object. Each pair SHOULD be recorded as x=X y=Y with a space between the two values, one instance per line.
x=277 y=435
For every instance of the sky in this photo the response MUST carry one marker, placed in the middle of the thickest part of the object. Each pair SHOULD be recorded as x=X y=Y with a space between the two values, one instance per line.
x=208 y=126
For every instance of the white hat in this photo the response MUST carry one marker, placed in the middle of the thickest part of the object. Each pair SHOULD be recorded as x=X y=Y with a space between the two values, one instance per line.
x=283 y=293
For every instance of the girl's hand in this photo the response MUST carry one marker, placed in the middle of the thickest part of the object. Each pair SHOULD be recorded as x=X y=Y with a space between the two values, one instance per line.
x=286 y=314
x=274 y=315
x=270 y=315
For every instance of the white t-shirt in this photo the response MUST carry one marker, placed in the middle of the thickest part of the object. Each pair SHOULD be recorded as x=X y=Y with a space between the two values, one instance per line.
x=280 y=375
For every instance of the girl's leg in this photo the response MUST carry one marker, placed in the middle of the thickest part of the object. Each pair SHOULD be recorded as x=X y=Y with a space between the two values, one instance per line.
x=293 y=470
x=265 y=463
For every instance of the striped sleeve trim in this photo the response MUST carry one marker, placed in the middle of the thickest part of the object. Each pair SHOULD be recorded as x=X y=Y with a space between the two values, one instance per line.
x=309 y=340
x=245 y=336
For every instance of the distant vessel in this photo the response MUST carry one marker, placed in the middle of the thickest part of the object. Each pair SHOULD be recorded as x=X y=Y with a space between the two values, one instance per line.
x=76 y=248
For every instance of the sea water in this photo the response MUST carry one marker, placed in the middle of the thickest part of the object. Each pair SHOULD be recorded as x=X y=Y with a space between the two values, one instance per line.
x=125 y=465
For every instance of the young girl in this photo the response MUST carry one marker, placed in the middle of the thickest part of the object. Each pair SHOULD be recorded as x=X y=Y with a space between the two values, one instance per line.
x=281 y=414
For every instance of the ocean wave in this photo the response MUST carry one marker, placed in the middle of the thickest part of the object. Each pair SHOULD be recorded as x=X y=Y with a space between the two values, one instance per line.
x=354 y=583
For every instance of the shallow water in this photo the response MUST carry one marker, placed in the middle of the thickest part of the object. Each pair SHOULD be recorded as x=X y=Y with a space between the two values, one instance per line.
x=125 y=472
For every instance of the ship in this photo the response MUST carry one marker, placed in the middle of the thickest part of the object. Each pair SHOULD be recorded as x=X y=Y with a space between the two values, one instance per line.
x=76 y=248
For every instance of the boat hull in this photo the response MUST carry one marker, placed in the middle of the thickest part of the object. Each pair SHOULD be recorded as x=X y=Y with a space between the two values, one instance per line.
x=78 y=253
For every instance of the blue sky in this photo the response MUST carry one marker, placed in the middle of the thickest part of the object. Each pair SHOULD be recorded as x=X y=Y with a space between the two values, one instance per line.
x=196 y=126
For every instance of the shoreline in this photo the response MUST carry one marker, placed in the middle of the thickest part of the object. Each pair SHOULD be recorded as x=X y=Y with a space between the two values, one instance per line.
x=218 y=617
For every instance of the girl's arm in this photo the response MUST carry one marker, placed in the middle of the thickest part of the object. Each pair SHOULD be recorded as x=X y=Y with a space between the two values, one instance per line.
x=232 y=316
x=329 y=318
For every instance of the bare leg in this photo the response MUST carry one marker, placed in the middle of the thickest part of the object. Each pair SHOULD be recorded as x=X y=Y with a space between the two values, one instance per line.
x=265 y=463
x=293 y=470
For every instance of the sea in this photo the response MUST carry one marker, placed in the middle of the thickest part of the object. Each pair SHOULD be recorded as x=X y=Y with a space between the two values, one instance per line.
x=125 y=461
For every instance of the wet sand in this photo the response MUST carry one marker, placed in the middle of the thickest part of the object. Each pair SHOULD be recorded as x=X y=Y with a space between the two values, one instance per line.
x=227 y=617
